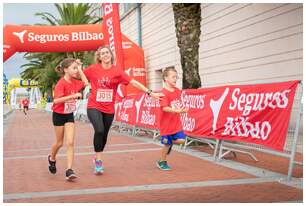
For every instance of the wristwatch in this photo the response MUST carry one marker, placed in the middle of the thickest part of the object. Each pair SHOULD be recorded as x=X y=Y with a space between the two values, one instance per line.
x=149 y=92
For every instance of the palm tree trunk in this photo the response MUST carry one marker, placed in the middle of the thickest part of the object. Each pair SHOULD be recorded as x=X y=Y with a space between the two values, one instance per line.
x=188 y=30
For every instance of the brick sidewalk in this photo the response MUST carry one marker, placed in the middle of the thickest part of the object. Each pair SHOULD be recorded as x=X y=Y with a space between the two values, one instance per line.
x=130 y=175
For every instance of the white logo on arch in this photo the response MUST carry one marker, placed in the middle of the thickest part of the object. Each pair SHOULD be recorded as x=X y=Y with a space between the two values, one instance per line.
x=215 y=106
x=20 y=35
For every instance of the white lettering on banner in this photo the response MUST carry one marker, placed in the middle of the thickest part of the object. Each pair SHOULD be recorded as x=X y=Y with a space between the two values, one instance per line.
x=215 y=106
x=75 y=36
x=86 y=36
x=139 y=72
x=192 y=101
x=258 y=101
x=147 y=118
x=150 y=102
x=124 y=116
x=138 y=104
x=188 y=123
x=43 y=38
x=108 y=8
x=110 y=30
x=241 y=127
x=128 y=103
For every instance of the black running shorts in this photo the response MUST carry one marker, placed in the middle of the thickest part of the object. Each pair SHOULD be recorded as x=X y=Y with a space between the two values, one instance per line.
x=61 y=119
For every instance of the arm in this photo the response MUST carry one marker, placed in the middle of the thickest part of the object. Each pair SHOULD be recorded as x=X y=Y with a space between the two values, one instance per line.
x=82 y=75
x=67 y=98
x=141 y=87
x=169 y=109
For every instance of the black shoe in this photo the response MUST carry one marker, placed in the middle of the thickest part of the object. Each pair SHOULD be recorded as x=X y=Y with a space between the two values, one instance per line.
x=70 y=175
x=52 y=167
x=169 y=150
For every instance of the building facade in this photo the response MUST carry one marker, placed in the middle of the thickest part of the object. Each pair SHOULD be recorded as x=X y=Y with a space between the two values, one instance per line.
x=239 y=43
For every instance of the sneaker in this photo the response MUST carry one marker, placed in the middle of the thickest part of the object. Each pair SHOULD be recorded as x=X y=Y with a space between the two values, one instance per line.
x=98 y=167
x=163 y=165
x=70 y=175
x=52 y=166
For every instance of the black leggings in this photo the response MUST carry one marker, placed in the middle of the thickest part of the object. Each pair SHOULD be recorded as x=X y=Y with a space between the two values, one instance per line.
x=101 y=123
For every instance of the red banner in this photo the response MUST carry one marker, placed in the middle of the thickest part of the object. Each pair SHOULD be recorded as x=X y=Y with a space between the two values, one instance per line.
x=125 y=110
x=147 y=111
x=112 y=32
x=257 y=114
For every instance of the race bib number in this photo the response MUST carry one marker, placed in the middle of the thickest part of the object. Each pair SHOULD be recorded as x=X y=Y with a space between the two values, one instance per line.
x=70 y=107
x=104 y=95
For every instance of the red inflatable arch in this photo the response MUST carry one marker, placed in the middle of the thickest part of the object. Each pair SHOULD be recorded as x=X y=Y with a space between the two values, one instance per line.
x=71 y=38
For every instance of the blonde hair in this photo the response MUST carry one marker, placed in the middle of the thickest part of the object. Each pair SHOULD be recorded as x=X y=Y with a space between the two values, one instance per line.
x=65 y=63
x=166 y=72
x=97 y=54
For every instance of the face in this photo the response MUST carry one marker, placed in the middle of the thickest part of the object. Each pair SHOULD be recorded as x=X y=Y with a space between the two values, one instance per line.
x=105 y=55
x=72 y=70
x=171 y=78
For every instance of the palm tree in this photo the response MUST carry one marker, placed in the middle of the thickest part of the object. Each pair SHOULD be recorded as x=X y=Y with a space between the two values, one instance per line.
x=41 y=65
x=188 y=29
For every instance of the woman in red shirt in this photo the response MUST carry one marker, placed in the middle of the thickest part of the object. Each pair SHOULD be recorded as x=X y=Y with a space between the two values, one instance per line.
x=104 y=78
x=64 y=104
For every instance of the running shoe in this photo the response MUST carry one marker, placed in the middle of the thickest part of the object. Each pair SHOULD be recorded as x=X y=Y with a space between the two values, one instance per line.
x=70 y=175
x=52 y=165
x=98 y=167
x=163 y=165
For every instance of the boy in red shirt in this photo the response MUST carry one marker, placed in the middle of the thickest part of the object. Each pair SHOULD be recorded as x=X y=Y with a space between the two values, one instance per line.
x=171 y=108
x=25 y=103
x=66 y=93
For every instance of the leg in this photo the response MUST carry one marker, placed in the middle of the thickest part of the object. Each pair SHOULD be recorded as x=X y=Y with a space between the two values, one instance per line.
x=179 y=141
x=108 y=120
x=164 y=152
x=59 y=132
x=69 y=133
x=162 y=163
x=96 y=119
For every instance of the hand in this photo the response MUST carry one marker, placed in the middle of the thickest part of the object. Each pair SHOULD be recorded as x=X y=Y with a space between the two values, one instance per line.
x=184 y=110
x=181 y=110
x=78 y=61
x=77 y=96
x=156 y=95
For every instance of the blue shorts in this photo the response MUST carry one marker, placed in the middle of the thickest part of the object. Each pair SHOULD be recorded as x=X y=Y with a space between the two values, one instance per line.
x=167 y=139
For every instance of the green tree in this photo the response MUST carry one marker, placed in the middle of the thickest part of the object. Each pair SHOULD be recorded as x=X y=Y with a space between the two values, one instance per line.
x=41 y=65
x=188 y=30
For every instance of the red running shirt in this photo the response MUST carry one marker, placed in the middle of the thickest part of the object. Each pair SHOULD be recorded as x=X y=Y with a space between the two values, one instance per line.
x=62 y=89
x=104 y=84
x=25 y=102
x=170 y=123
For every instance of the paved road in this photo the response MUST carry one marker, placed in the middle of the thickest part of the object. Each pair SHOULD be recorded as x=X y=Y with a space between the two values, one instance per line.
x=131 y=174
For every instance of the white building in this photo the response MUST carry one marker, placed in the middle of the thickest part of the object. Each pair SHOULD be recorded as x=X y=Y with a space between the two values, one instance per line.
x=240 y=43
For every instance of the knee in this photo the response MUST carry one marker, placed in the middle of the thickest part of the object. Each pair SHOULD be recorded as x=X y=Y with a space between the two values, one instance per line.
x=70 y=143
x=182 y=141
x=99 y=132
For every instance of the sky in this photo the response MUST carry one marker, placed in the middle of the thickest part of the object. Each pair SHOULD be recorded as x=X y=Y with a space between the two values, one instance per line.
x=26 y=15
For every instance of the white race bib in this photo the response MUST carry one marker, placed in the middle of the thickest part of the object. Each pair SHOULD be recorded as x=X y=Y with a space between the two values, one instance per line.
x=104 y=95
x=70 y=107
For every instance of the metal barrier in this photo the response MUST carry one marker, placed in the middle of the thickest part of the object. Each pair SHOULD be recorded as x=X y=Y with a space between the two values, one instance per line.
x=212 y=143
